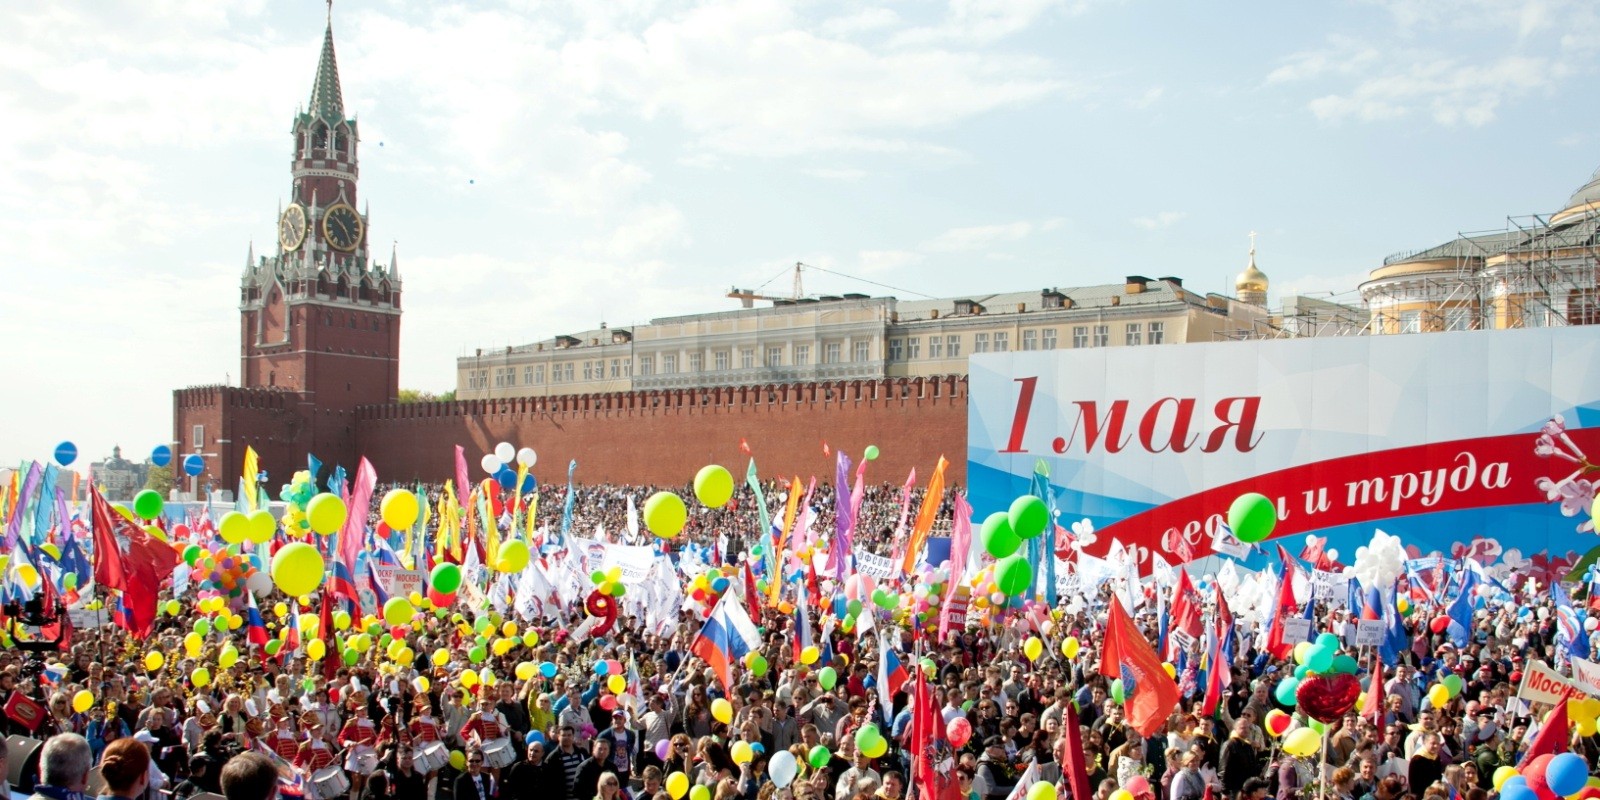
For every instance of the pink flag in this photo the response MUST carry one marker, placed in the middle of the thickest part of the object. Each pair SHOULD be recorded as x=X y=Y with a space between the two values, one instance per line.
x=960 y=542
x=462 y=482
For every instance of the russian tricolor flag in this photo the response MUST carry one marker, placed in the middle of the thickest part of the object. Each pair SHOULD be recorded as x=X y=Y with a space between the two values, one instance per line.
x=255 y=627
x=726 y=637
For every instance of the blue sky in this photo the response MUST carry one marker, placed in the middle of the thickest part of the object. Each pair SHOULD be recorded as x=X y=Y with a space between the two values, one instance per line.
x=547 y=166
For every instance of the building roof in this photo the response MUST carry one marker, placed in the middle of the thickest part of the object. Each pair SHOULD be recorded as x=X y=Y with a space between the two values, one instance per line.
x=327 y=101
x=1155 y=291
x=1471 y=246
x=1587 y=193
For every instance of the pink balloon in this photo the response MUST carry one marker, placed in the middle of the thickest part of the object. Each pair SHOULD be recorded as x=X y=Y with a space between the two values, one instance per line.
x=959 y=732
x=1137 y=785
x=662 y=748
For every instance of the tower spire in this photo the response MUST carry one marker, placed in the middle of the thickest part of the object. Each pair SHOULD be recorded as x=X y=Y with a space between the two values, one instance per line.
x=327 y=102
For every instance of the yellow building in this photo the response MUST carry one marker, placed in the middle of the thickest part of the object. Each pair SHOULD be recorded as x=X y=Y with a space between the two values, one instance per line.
x=1538 y=271
x=854 y=336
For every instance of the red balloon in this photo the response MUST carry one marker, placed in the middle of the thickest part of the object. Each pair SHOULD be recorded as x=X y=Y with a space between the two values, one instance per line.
x=1534 y=772
x=440 y=600
x=608 y=702
x=1440 y=624
x=1326 y=698
x=959 y=732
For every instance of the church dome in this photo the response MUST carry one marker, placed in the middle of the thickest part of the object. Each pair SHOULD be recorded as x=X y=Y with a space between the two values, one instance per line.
x=1251 y=280
x=1588 y=193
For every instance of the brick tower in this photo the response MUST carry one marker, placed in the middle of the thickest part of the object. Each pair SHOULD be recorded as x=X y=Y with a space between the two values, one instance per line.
x=319 y=319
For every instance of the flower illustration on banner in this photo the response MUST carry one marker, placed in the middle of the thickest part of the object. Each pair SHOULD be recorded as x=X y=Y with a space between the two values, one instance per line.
x=1547 y=568
x=1484 y=551
x=1511 y=569
x=1575 y=493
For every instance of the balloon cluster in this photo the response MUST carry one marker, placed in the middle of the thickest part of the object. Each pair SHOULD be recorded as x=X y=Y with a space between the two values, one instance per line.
x=602 y=602
x=498 y=465
x=296 y=496
x=707 y=588
x=257 y=527
x=1380 y=563
x=1002 y=534
x=226 y=571
x=870 y=742
x=1546 y=777
x=1320 y=657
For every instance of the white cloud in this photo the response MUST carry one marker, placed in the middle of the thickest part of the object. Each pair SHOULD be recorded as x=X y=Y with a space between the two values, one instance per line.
x=1164 y=219
x=1450 y=92
x=977 y=237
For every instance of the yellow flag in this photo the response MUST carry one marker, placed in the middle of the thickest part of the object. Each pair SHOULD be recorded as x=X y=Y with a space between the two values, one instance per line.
x=491 y=526
x=783 y=537
x=252 y=471
x=531 y=519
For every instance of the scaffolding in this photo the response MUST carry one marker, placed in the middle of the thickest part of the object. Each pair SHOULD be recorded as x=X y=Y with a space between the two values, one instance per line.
x=1546 y=272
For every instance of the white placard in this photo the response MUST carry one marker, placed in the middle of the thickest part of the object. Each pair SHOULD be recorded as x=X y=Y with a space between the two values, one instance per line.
x=1296 y=630
x=873 y=564
x=1330 y=586
x=1369 y=633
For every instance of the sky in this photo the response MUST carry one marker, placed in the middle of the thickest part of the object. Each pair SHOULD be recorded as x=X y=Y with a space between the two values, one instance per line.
x=541 y=167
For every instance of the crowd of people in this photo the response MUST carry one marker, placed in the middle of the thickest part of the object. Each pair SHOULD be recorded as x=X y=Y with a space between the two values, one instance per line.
x=544 y=721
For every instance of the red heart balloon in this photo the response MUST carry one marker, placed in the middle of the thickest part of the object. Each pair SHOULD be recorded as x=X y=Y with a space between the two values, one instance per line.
x=1326 y=698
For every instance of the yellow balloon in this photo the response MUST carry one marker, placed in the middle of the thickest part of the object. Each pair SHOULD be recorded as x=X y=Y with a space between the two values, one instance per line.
x=280 y=610
x=1172 y=671
x=677 y=785
x=399 y=509
x=469 y=679
x=228 y=657
x=29 y=575
x=406 y=656
x=1122 y=794
x=1070 y=647
x=1033 y=648
x=153 y=660
x=722 y=710
x=617 y=684
x=1301 y=742
x=441 y=657
x=82 y=701
x=421 y=684
x=192 y=644
x=742 y=753
x=810 y=655
x=509 y=629
x=875 y=748
x=316 y=649
x=201 y=677
x=1438 y=696
x=525 y=671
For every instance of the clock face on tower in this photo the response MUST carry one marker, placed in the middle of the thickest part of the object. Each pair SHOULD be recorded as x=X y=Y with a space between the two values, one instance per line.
x=292 y=227
x=342 y=227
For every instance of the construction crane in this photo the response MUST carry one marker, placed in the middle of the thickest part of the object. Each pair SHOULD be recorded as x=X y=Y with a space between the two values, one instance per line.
x=747 y=297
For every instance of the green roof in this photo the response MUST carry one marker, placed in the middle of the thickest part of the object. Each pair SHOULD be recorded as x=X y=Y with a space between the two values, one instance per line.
x=327 y=102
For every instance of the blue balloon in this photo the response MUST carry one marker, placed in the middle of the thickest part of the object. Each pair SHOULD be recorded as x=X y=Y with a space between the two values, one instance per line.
x=1567 y=774
x=1511 y=791
x=66 y=453
x=161 y=456
x=547 y=669
x=535 y=737
x=506 y=478
x=529 y=484
x=194 y=464
x=600 y=668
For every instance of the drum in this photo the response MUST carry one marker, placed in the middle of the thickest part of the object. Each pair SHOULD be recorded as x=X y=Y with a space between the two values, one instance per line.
x=497 y=753
x=430 y=757
x=361 y=760
x=329 y=783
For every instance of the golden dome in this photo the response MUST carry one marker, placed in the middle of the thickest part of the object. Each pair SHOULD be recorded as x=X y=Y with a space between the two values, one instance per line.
x=1251 y=285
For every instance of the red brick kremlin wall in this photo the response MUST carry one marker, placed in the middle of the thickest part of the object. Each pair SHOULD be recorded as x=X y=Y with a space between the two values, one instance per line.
x=665 y=436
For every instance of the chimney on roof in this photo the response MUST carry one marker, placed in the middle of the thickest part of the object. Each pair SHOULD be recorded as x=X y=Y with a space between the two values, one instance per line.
x=934 y=314
x=1176 y=282
x=1135 y=284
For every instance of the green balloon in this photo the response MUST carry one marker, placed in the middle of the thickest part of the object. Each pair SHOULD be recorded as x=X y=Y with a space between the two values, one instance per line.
x=1345 y=665
x=1252 y=517
x=818 y=757
x=998 y=537
x=1452 y=684
x=871 y=452
x=273 y=646
x=147 y=504
x=1012 y=574
x=202 y=625
x=481 y=625
x=827 y=677
x=884 y=600
x=867 y=736
x=1117 y=692
x=477 y=654
x=220 y=624
x=191 y=554
x=758 y=665
x=351 y=657
x=1029 y=516
x=1320 y=660
x=445 y=578
x=852 y=608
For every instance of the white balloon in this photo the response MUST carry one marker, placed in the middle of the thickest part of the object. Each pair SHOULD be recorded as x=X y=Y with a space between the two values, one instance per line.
x=505 y=452
x=490 y=463
x=526 y=457
x=782 y=768
x=1333 y=555
x=259 y=584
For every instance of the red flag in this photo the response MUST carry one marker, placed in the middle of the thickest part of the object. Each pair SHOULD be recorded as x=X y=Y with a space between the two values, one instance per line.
x=1219 y=660
x=929 y=750
x=1552 y=738
x=330 y=662
x=1127 y=655
x=1185 y=616
x=1288 y=606
x=752 y=598
x=131 y=560
x=744 y=446
x=1075 y=771
x=1375 y=691
x=353 y=536
x=108 y=571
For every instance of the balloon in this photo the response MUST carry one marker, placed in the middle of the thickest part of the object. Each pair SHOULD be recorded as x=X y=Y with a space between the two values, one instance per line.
x=1070 y=647
x=722 y=710
x=1452 y=684
x=1033 y=648
x=1566 y=774
x=782 y=768
x=297 y=568
x=147 y=504
x=326 y=513
x=1278 y=722
x=161 y=455
x=1438 y=696
x=1029 y=517
x=818 y=757
x=871 y=452
x=959 y=731
x=1439 y=624
x=490 y=464
x=201 y=677
x=228 y=656
x=1345 y=665
x=677 y=785
x=1503 y=774
x=809 y=655
x=1117 y=692
x=261 y=526
x=1320 y=659
x=663 y=747
x=546 y=669
x=513 y=556
x=1302 y=742
x=82 y=701
x=713 y=486
x=398 y=611
x=1043 y=790
x=399 y=509
x=665 y=514
x=1012 y=575
x=234 y=527
x=741 y=752
x=875 y=748
x=526 y=457
x=445 y=578
x=1252 y=517
x=316 y=649
x=617 y=684
x=997 y=535
x=194 y=464
x=1285 y=692
x=1121 y=794
x=757 y=664
x=66 y=453
x=458 y=760
x=699 y=793
x=153 y=660
x=827 y=678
